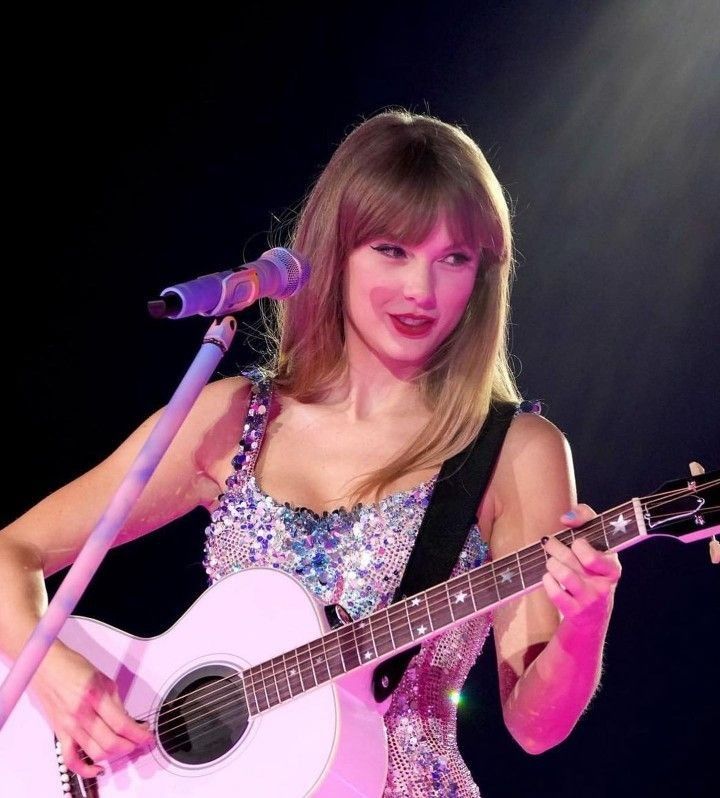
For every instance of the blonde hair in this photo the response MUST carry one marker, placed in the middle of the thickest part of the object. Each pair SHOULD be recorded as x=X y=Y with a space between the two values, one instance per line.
x=394 y=175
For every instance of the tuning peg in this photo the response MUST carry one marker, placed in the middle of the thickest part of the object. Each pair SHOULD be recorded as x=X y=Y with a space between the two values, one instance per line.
x=714 y=550
x=697 y=470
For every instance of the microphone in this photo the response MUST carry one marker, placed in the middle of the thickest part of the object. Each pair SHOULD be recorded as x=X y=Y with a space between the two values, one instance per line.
x=278 y=273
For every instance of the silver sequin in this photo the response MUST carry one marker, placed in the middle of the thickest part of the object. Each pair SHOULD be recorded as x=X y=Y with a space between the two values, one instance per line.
x=356 y=557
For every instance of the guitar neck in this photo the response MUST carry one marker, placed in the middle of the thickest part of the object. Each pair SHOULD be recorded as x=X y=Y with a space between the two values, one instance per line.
x=675 y=511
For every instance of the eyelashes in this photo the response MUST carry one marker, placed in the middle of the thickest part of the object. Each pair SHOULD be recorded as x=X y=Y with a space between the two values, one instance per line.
x=396 y=252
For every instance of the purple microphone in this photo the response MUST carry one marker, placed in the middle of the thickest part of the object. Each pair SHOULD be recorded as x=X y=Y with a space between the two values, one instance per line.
x=278 y=274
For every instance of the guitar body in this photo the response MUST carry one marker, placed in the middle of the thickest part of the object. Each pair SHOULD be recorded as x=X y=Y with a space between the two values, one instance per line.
x=328 y=742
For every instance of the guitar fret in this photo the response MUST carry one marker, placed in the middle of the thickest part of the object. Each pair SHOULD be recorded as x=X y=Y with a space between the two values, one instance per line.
x=466 y=578
x=241 y=677
x=264 y=687
x=427 y=610
x=482 y=586
x=286 y=673
x=522 y=578
x=274 y=689
x=318 y=659
x=461 y=589
x=338 y=646
x=284 y=683
x=325 y=660
x=355 y=640
x=299 y=670
x=604 y=531
x=441 y=613
x=449 y=601
x=418 y=627
x=409 y=621
x=254 y=693
x=366 y=642
x=307 y=672
x=381 y=646
x=505 y=579
x=402 y=630
x=495 y=581
x=335 y=660
x=535 y=567
x=390 y=629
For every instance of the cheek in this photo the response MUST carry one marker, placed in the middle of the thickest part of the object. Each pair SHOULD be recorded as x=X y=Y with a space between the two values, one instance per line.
x=455 y=300
x=380 y=295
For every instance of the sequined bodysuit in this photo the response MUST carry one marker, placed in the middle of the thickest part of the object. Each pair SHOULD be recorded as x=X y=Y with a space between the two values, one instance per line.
x=356 y=558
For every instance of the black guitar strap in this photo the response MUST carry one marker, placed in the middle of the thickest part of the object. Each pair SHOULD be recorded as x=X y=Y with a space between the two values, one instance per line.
x=451 y=512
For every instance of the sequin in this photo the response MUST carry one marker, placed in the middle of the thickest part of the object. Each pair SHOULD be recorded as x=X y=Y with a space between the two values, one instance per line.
x=355 y=557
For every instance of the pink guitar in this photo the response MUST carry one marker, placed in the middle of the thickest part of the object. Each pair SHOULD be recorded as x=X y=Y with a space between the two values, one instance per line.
x=251 y=694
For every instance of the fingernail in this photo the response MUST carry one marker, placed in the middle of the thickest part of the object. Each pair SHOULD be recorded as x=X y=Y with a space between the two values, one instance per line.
x=544 y=539
x=570 y=515
x=101 y=772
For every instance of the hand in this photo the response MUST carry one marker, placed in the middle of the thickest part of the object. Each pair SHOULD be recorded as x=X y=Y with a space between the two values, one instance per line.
x=84 y=710
x=581 y=580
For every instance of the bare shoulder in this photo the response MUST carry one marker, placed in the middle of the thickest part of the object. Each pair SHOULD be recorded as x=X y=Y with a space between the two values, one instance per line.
x=533 y=483
x=216 y=420
x=531 y=431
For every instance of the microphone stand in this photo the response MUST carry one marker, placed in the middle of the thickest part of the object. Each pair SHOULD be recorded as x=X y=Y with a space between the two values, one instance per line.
x=216 y=343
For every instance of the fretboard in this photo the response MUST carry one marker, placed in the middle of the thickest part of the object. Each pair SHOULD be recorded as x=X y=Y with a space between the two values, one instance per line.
x=416 y=618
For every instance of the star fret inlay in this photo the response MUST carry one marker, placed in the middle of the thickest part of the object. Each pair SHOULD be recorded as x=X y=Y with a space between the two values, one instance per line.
x=620 y=525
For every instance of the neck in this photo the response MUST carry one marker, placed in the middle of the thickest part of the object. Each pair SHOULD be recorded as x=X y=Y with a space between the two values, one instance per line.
x=370 y=387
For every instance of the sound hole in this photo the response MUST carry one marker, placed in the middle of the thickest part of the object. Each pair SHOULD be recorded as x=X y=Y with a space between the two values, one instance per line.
x=203 y=715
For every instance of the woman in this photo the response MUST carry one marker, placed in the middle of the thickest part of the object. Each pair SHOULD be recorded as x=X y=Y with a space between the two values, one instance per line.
x=385 y=365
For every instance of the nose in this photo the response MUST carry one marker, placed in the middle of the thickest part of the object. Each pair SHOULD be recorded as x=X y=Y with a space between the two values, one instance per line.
x=419 y=285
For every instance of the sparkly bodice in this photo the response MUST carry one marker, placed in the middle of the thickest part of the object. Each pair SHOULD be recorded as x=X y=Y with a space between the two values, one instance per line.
x=356 y=557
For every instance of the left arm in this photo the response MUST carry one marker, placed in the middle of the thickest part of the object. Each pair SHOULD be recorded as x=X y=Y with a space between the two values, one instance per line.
x=549 y=642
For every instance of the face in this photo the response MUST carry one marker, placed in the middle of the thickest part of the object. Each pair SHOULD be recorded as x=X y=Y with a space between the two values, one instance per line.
x=402 y=301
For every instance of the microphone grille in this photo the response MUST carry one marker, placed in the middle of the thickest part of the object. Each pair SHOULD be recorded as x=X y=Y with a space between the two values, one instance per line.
x=294 y=267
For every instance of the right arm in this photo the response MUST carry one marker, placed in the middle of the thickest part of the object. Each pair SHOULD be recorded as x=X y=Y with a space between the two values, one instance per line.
x=82 y=705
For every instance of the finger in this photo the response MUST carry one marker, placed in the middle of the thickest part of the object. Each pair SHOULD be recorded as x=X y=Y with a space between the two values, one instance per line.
x=112 y=711
x=595 y=561
x=578 y=515
x=73 y=759
x=89 y=745
x=559 y=597
x=557 y=549
x=566 y=577
x=105 y=744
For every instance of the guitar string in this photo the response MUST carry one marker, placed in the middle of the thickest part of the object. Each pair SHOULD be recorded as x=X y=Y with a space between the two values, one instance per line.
x=267 y=679
x=268 y=674
x=648 y=504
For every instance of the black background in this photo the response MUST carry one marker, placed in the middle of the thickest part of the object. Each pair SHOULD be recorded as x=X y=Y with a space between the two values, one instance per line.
x=144 y=149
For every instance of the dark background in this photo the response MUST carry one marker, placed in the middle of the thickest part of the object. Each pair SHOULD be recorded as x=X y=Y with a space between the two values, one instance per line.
x=146 y=148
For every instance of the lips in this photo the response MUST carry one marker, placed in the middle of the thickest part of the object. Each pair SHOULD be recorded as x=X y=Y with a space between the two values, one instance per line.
x=411 y=325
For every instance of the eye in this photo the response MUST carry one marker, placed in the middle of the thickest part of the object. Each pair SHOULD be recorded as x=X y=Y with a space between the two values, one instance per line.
x=391 y=250
x=457 y=258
